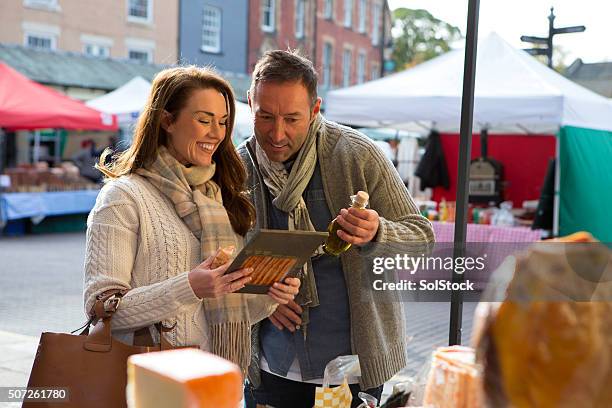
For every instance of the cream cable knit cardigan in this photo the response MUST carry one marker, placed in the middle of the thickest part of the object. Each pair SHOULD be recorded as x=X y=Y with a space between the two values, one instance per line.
x=136 y=241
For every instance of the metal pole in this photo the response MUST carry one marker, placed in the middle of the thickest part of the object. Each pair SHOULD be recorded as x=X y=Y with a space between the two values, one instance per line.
x=56 y=146
x=3 y=152
x=465 y=148
x=557 y=197
x=551 y=32
x=36 y=155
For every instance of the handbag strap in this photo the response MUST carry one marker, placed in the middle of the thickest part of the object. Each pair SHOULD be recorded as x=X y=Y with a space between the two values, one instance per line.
x=142 y=337
x=106 y=304
x=99 y=339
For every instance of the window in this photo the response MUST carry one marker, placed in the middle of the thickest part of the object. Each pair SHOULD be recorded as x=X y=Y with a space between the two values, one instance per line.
x=328 y=57
x=42 y=4
x=97 y=50
x=346 y=67
x=140 y=11
x=140 y=49
x=299 y=18
x=211 y=29
x=40 y=36
x=361 y=68
x=96 y=45
x=41 y=41
x=348 y=13
x=362 y=15
x=375 y=73
x=140 y=55
x=328 y=9
x=268 y=15
x=375 y=24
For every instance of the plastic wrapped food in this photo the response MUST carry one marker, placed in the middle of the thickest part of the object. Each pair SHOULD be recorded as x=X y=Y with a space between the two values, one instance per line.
x=549 y=343
x=453 y=379
x=336 y=372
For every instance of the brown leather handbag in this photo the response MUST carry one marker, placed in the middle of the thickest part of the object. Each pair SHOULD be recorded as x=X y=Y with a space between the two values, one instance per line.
x=92 y=366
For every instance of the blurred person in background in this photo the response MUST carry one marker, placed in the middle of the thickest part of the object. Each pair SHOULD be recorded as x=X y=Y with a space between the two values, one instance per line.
x=86 y=158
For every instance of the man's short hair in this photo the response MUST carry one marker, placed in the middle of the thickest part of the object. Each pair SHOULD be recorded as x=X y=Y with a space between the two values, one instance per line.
x=285 y=66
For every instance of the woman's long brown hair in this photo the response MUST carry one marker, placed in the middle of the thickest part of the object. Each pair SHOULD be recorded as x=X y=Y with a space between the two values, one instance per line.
x=170 y=91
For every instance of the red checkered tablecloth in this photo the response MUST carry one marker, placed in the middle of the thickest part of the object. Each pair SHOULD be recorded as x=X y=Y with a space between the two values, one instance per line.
x=486 y=233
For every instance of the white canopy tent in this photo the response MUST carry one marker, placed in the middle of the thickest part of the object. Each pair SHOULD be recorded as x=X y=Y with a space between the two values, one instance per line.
x=514 y=94
x=243 y=128
x=126 y=101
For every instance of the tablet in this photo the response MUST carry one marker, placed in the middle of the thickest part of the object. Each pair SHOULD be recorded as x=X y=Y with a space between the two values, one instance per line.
x=274 y=255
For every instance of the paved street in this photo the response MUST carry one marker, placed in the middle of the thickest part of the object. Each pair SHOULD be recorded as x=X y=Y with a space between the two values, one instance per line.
x=41 y=281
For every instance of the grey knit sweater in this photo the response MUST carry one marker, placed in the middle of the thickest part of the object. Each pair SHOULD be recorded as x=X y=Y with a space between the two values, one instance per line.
x=351 y=162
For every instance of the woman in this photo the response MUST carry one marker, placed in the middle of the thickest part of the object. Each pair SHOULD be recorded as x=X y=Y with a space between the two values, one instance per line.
x=170 y=201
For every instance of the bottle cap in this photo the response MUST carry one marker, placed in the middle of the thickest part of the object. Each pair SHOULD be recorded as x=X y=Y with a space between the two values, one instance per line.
x=361 y=198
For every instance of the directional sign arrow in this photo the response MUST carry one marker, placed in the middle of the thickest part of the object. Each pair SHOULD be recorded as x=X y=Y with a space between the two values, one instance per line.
x=573 y=29
x=537 y=51
x=535 y=40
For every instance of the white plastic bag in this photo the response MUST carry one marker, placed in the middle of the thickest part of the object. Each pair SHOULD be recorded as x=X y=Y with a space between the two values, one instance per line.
x=336 y=372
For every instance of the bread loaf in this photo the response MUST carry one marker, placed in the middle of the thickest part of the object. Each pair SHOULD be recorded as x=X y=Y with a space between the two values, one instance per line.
x=549 y=343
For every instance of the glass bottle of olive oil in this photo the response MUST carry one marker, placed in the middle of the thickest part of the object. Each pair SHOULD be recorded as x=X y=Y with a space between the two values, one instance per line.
x=334 y=245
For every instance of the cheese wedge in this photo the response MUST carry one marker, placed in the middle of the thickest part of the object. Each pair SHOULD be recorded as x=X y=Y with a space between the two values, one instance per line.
x=183 y=378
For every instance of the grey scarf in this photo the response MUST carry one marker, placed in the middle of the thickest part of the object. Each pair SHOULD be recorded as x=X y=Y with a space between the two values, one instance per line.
x=287 y=190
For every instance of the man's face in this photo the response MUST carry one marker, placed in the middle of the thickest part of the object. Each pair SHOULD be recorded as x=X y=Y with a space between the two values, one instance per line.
x=282 y=113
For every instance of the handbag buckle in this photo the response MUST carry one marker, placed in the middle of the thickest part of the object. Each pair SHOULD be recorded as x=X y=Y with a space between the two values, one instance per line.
x=112 y=303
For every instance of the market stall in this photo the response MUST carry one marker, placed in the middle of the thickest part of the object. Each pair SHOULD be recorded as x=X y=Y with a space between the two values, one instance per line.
x=27 y=105
x=514 y=95
x=36 y=191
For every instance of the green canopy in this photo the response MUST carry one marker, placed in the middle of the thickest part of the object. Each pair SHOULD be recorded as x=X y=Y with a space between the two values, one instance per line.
x=585 y=182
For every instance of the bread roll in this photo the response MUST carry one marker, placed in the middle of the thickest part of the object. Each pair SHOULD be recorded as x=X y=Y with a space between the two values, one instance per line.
x=223 y=256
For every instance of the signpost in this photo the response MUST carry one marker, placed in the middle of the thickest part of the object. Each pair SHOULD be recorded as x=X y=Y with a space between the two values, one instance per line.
x=548 y=41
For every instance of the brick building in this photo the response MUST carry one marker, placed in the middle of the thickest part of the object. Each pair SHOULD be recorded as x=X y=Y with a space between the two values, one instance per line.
x=345 y=39
x=141 y=30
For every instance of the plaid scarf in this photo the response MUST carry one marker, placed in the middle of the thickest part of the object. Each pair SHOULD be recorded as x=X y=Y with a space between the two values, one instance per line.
x=287 y=190
x=197 y=200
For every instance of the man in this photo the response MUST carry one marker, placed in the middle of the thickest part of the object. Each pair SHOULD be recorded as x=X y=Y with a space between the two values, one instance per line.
x=86 y=158
x=302 y=171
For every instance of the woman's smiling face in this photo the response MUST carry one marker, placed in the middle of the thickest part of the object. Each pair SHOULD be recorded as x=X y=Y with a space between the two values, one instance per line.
x=199 y=128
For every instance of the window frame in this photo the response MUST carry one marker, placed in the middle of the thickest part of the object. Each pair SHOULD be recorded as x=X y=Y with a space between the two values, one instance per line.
x=347 y=68
x=327 y=69
x=208 y=48
x=361 y=68
x=363 y=9
x=138 y=19
x=42 y=35
x=374 y=71
x=376 y=17
x=271 y=27
x=149 y=53
x=99 y=47
x=348 y=13
x=50 y=5
x=300 y=21
x=328 y=9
